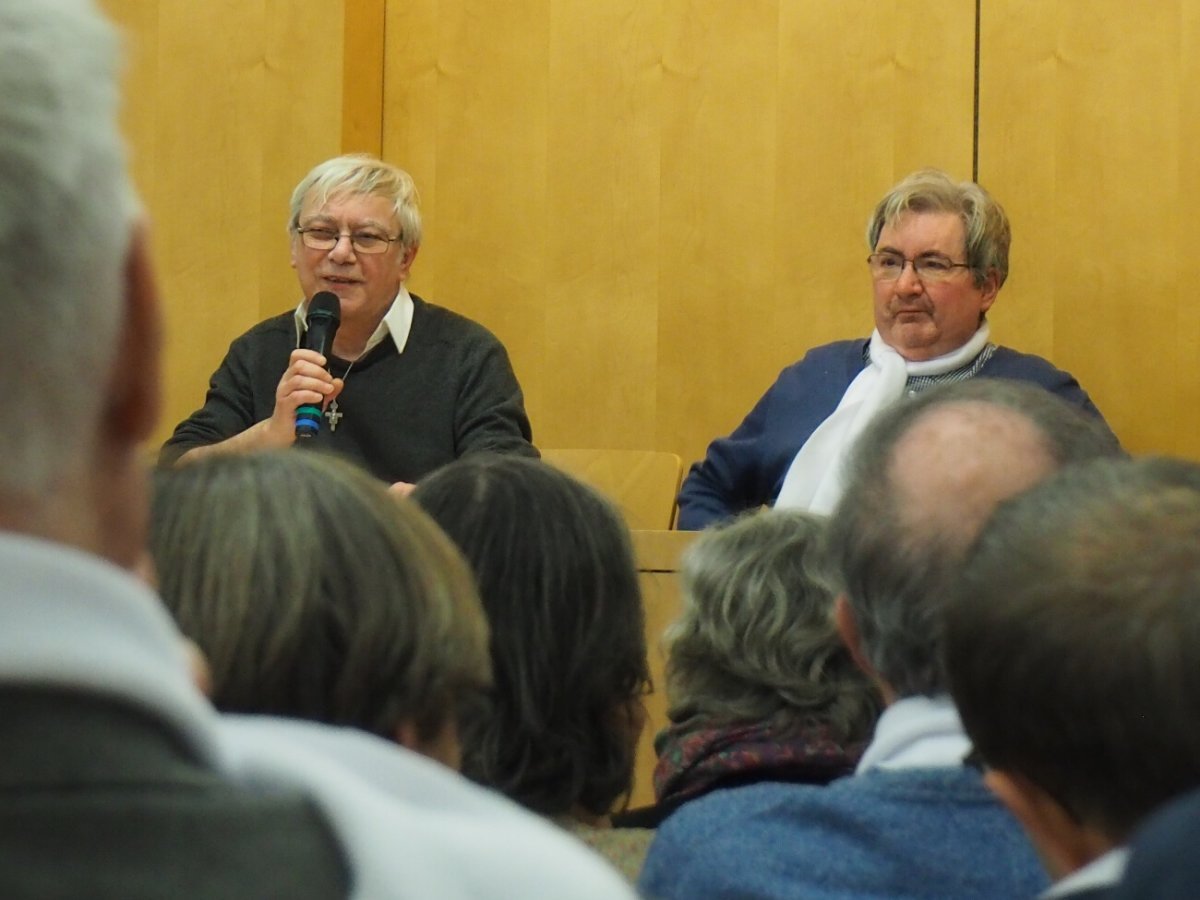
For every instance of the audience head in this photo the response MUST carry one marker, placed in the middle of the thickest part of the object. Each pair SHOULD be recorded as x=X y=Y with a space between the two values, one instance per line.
x=359 y=174
x=756 y=640
x=1073 y=649
x=556 y=573
x=985 y=225
x=920 y=482
x=315 y=594
x=79 y=304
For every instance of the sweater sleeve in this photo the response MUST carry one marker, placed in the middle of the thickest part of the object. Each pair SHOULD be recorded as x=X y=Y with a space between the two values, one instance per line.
x=489 y=415
x=238 y=397
x=746 y=469
x=725 y=482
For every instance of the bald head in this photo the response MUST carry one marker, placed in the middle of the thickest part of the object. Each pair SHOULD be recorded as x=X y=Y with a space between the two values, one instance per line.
x=920 y=483
x=957 y=462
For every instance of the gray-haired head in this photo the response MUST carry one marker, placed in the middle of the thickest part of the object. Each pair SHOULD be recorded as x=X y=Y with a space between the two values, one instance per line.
x=359 y=174
x=985 y=226
x=316 y=594
x=920 y=482
x=67 y=210
x=1073 y=639
x=756 y=640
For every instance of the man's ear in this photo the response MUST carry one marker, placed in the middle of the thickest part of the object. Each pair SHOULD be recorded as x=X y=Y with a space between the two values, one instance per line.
x=1063 y=843
x=847 y=626
x=410 y=255
x=135 y=396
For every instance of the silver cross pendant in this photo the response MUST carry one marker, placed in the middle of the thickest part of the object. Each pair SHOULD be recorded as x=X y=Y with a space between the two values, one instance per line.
x=333 y=415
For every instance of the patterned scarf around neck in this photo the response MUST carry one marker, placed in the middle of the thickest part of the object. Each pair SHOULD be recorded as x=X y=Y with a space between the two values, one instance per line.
x=694 y=756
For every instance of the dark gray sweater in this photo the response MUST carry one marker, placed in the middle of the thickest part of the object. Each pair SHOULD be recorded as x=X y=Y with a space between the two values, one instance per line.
x=451 y=392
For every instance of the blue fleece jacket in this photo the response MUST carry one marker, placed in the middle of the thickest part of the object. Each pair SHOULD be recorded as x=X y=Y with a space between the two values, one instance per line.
x=884 y=835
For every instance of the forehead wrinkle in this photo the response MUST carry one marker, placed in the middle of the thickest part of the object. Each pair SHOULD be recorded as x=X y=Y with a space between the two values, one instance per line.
x=317 y=207
x=958 y=462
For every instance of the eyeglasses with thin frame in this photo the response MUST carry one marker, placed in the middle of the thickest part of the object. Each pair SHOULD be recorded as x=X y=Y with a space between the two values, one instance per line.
x=888 y=266
x=319 y=238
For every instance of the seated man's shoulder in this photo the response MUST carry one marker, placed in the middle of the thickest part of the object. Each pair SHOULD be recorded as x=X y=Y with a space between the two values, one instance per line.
x=837 y=353
x=898 y=834
x=439 y=323
x=1006 y=362
x=283 y=323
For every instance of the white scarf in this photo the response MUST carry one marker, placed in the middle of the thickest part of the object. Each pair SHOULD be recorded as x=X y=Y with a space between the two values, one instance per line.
x=814 y=479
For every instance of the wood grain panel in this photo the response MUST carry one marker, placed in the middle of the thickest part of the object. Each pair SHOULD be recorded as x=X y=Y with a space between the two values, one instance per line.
x=1088 y=119
x=602 y=207
x=657 y=205
x=719 y=281
x=477 y=127
x=861 y=97
x=659 y=554
x=362 y=76
x=228 y=104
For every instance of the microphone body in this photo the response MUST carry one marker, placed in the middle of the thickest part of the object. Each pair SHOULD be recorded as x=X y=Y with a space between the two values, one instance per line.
x=321 y=325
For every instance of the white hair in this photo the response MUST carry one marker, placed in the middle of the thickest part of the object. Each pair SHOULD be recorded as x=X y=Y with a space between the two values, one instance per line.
x=66 y=214
x=357 y=174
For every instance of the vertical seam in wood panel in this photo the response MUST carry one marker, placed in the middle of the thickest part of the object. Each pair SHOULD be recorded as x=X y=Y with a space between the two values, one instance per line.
x=975 y=111
x=362 y=75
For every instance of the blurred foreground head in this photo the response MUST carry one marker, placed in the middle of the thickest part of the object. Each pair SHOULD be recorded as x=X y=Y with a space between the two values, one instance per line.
x=316 y=594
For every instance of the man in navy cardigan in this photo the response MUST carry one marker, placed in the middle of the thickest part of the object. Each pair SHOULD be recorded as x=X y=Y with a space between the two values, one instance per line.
x=913 y=821
x=939 y=256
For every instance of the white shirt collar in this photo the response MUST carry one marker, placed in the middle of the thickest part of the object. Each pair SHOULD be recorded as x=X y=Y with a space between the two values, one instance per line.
x=917 y=732
x=397 y=322
x=76 y=621
x=1102 y=871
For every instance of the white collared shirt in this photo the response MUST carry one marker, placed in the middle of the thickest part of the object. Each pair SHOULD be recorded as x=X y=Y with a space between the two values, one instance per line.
x=397 y=322
x=1102 y=871
x=917 y=732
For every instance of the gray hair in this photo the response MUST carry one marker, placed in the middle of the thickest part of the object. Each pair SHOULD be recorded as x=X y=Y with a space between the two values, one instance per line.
x=357 y=174
x=988 y=235
x=1072 y=639
x=756 y=640
x=67 y=210
x=894 y=571
x=316 y=594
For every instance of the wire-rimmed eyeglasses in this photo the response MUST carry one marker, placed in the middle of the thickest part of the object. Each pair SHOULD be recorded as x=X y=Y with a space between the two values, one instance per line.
x=888 y=266
x=318 y=238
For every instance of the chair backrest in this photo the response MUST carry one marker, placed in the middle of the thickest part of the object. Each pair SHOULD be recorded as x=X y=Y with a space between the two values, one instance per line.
x=643 y=483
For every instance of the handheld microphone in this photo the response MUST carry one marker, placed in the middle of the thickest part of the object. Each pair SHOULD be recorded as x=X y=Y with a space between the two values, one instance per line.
x=321 y=325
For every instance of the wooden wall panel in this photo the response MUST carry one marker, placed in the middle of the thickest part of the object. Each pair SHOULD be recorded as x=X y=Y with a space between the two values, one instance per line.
x=1088 y=120
x=856 y=99
x=228 y=103
x=658 y=205
x=483 y=179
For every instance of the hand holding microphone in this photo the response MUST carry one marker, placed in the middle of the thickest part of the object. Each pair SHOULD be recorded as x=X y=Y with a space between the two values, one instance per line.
x=324 y=317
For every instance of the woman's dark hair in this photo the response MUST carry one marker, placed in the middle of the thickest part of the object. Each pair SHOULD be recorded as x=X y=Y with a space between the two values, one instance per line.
x=555 y=570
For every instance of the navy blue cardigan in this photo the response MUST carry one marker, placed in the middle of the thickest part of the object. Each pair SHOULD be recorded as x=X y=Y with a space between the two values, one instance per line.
x=746 y=469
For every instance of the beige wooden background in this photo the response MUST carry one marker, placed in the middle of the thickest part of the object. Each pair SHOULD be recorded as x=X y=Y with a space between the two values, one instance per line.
x=657 y=204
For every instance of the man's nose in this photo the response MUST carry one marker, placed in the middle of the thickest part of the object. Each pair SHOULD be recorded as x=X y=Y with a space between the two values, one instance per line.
x=908 y=282
x=343 y=250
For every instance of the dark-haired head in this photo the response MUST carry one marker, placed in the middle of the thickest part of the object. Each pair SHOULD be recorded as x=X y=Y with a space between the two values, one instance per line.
x=554 y=565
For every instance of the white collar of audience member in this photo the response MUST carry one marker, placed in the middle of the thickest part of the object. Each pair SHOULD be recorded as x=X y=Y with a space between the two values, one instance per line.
x=917 y=732
x=1103 y=871
x=397 y=322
